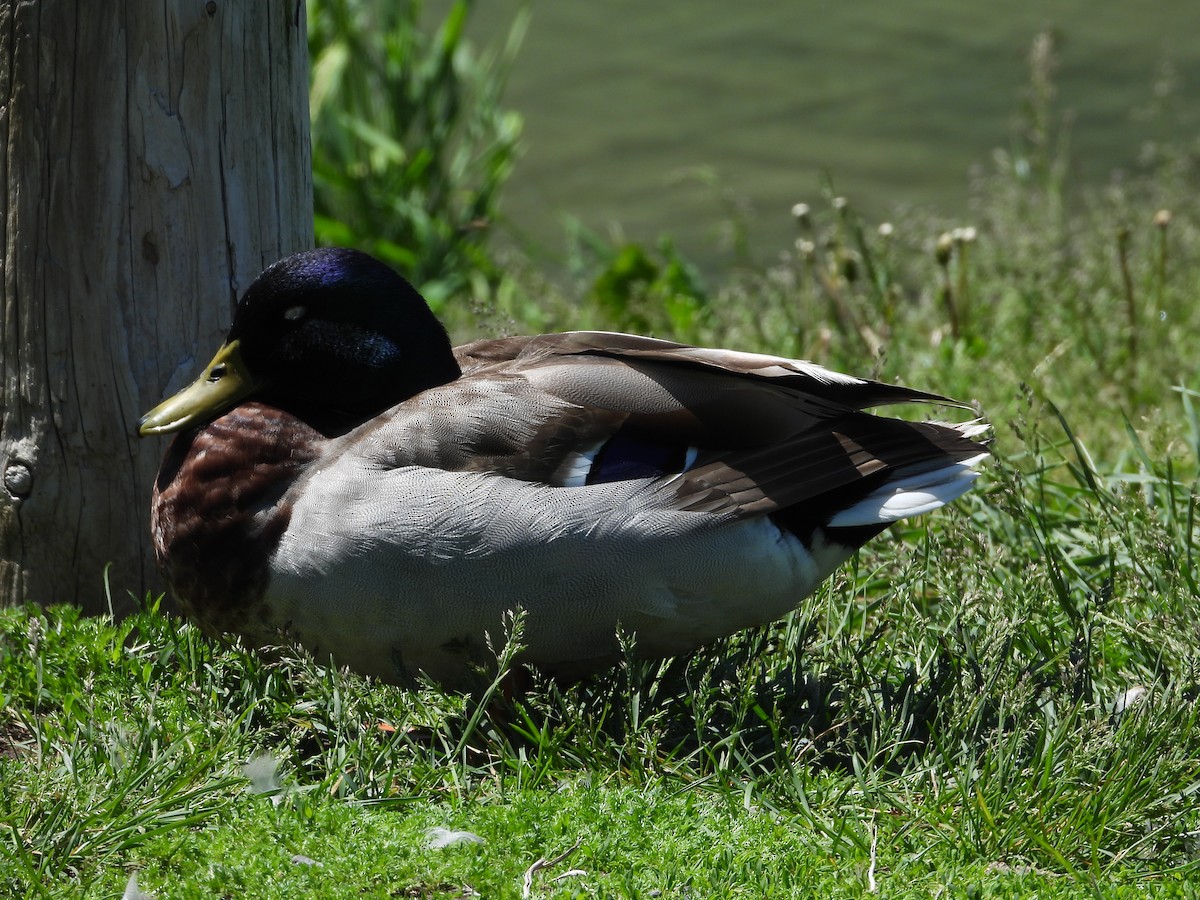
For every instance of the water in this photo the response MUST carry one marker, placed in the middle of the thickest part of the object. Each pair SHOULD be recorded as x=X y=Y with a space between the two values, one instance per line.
x=896 y=101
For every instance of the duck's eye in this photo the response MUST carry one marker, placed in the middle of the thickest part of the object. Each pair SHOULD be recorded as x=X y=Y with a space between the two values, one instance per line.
x=292 y=313
x=217 y=372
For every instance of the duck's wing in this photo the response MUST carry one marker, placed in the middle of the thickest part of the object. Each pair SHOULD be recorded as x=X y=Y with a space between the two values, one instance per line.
x=739 y=433
x=844 y=390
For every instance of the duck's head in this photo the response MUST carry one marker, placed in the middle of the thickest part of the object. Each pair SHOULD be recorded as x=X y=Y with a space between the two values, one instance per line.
x=332 y=336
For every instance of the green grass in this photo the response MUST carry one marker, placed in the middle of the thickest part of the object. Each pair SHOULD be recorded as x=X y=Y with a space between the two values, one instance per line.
x=411 y=145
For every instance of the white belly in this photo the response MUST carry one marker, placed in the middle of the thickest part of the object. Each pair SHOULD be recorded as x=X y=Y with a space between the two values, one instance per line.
x=413 y=575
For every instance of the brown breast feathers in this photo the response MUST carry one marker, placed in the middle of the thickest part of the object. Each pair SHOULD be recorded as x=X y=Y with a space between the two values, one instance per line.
x=220 y=507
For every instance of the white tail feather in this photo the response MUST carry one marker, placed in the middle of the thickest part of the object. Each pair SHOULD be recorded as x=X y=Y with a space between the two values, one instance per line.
x=913 y=495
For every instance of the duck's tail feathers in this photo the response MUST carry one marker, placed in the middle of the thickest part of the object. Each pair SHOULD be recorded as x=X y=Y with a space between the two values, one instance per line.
x=913 y=491
x=972 y=429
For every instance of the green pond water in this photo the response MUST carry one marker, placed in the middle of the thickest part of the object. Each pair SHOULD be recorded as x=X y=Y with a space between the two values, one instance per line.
x=896 y=101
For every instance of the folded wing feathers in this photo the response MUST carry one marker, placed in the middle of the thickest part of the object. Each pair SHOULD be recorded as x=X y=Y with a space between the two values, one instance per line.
x=857 y=393
x=851 y=467
x=846 y=390
x=857 y=471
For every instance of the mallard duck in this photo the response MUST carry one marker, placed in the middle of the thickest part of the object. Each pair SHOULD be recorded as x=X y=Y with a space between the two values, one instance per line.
x=343 y=478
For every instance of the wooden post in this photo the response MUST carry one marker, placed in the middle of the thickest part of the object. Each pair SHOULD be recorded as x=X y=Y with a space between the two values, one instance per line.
x=156 y=158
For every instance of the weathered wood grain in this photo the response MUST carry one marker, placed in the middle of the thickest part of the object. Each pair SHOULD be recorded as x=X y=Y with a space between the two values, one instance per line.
x=155 y=158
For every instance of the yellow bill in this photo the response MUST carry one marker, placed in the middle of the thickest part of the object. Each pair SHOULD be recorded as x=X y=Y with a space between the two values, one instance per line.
x=225 y=381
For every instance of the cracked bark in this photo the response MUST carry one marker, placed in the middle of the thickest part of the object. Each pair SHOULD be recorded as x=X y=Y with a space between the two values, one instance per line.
x=155 y=158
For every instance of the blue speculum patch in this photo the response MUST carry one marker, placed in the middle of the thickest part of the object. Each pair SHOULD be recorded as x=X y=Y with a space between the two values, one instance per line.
x=627 y=456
